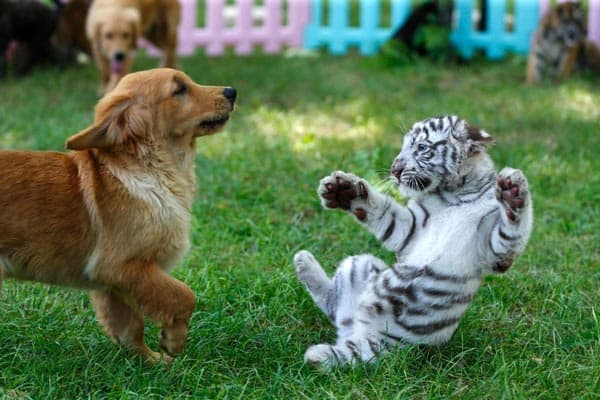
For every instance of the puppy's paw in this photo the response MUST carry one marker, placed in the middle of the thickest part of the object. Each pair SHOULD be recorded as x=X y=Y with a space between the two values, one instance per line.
x=154 y=358
x=172 y=339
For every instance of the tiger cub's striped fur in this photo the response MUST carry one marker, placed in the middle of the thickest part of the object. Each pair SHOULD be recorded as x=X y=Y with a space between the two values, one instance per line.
x=462 y=221
x=560 y=46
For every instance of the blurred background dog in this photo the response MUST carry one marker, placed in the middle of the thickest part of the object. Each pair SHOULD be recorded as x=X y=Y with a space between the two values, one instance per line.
x=114 y=26
x=33 y=32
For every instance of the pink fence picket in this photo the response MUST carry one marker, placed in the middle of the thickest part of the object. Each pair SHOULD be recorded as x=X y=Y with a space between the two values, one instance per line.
x=244 y=25
x=594 y=21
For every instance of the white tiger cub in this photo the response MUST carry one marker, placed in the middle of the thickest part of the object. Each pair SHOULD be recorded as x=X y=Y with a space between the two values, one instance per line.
x=462 y=221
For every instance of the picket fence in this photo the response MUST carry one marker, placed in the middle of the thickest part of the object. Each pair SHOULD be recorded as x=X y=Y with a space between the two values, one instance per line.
x=338 y=34
x=498 y=38
x=274 y=25
x=243 y=25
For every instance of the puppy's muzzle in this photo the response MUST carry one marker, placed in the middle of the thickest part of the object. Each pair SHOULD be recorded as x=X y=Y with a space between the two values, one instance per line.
x=119 y=56
x=214 y=124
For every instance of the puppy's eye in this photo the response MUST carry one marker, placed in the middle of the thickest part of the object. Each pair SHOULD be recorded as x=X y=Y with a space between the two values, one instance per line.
x=126 y=35
x=422 y=147
x=181 y=89
x=108 y=36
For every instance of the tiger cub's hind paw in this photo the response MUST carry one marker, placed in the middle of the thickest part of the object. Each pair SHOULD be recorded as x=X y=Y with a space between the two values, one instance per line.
x=310 y=273
x=321 y=356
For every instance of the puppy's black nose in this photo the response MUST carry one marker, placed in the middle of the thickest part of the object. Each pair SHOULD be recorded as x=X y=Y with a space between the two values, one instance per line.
x=120 y=56
x=230 y=94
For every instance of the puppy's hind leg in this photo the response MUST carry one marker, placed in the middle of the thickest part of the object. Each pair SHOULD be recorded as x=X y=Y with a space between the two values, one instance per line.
x=155 y=294
x=122 y=323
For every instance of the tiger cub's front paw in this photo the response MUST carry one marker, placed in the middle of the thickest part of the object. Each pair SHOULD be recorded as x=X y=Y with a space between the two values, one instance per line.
x=512 y=192
x=339 y=189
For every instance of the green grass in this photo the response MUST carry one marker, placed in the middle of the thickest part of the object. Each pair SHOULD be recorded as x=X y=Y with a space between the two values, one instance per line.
x=532 y=333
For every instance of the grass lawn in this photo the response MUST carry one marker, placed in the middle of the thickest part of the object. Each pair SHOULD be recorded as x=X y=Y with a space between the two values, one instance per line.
x=531 y=333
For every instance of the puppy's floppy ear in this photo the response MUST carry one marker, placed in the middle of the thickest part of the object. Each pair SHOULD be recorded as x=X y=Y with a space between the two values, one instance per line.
x=119 y=122
x=133 y=15
x=93 y=30
x=91 y=24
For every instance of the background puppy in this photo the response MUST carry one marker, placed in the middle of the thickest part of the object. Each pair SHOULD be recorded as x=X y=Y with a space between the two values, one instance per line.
x=70 y=38
x=30 y=23
x=114 y=215
x=560 y=45
x=113 y=27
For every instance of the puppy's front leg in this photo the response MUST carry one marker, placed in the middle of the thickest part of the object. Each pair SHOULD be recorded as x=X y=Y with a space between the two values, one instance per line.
x=157 y=295
x=170 y=40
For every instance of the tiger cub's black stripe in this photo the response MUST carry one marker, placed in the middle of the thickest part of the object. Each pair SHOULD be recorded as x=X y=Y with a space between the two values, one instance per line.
x=390 y=229
x=410 y=232
x=428 y=329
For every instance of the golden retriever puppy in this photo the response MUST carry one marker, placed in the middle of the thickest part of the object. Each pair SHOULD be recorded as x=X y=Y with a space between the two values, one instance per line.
x=113 y=216
x=114 y=26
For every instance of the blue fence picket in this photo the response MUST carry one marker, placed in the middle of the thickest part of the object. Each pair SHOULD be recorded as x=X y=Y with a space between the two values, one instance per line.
x=527 y=16
x=338 y=35
x=496 y=40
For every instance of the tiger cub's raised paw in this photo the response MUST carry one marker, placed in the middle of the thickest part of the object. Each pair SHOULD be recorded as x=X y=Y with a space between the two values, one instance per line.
x=512 y=192
x=339 y=189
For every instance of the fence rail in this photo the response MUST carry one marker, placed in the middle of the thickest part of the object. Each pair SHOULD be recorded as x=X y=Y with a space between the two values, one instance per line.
x=277 y=24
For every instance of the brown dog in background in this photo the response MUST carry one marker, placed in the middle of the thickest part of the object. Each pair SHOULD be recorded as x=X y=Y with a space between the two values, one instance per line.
x=114 y=215
x=114 y=26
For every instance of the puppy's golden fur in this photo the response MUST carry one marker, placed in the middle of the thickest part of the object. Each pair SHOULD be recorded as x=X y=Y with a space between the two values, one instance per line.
x=113 y=216
x=113 y=28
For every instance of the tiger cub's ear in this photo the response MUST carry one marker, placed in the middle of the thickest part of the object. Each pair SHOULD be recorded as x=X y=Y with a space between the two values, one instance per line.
x=477 y=139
